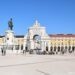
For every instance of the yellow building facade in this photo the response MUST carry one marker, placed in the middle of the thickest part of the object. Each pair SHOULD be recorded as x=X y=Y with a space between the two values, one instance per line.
x=62 y=42
x=58 y=42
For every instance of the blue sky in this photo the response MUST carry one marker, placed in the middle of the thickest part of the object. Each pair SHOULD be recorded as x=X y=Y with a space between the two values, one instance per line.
x=58 y=16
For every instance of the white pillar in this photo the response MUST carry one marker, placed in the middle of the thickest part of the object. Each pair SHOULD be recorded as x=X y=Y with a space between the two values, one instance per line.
x=31 y=44
x=20 y=47
x=48 y=47
x=24 y=45
x=56 y=48
x=53 y=48
x=43 y=46
x=13 y=47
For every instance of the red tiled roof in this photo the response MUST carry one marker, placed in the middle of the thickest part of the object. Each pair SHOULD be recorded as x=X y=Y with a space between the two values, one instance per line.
x=62 y=35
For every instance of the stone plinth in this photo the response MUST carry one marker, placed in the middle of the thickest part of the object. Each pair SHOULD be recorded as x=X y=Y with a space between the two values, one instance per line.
x=9 y=37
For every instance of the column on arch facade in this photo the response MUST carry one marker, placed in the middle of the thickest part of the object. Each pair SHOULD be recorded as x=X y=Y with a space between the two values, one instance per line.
x=42 y=45
x=31 y=45
x=49 y=46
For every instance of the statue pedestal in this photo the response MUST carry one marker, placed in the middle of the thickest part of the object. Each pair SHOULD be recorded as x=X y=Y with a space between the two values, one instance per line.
x=9 y=41
x=9 y=37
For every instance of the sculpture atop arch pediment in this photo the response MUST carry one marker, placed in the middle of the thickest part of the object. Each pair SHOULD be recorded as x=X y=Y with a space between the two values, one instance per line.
x=36 y=24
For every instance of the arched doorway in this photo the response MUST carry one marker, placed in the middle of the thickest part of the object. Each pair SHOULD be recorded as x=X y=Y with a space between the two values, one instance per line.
x=66 y=48
x=46 y=48
x=69 y=49
x=37 y=42
x=73 y=48
x=62 y=50
x=58 y=48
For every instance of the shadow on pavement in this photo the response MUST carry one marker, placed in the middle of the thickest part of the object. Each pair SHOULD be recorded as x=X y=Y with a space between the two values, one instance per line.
x=43 y=72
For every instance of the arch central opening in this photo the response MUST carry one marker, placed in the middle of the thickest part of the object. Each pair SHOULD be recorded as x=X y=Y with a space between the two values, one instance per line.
x=37 y=42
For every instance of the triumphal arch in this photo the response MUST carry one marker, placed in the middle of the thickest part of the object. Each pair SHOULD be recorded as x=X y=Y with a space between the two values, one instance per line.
x=36 y=39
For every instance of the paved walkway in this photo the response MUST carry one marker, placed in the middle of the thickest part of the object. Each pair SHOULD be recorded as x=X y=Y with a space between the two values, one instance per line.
x=37 y=65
